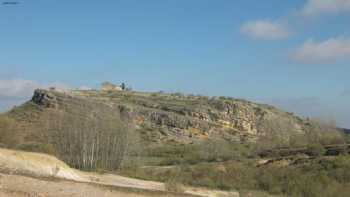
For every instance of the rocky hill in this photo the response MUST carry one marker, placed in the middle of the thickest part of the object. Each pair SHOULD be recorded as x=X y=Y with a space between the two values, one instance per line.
x=180 y=140
x=163 y=117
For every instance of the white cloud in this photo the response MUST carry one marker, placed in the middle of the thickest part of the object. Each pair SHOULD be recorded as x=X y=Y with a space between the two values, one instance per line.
x=17 y=91
x=17 y=88
x=22 y=88
x=328 y=51
x=314 y=107
x=265 y=29
x=317 y=7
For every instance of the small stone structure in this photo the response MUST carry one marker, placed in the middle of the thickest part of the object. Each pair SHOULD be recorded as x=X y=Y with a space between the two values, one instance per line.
x=61 y=90
x=107 y=86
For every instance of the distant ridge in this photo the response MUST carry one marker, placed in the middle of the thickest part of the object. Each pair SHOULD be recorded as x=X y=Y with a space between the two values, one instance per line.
x=346 y=131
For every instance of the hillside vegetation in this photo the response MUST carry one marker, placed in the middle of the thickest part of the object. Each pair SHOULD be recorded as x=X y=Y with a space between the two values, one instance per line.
x=86 y=135
x=216 y=142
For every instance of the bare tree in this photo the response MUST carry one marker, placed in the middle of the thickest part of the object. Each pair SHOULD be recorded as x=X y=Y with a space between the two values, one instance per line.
x=275 y=133
x=324 y=132
x=95 y=140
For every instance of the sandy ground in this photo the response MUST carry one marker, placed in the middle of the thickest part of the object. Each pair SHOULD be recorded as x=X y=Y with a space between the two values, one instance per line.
x=18 y=169
x=22 y=186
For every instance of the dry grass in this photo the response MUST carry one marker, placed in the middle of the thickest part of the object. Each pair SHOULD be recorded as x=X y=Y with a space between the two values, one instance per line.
x=174 y=186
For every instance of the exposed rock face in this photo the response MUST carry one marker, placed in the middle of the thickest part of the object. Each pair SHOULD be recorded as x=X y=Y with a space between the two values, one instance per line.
x=44 y=98
x=166 y=117
x=175 y=121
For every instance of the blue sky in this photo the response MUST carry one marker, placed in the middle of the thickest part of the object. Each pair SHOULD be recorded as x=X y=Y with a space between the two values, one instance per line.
x=293 y=54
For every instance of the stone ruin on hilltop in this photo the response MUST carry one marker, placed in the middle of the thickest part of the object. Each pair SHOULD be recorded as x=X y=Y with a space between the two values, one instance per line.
x=107 y=86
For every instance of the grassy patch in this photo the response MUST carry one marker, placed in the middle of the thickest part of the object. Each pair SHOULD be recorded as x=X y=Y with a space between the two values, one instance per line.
x=316 y=178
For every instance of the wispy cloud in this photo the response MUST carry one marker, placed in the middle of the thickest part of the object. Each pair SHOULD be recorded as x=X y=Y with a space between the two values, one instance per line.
x=314 y=107
x=265 y=29
x=22 y=88
x=17 y=91
x=318 y=7
x=306 y=106
x=327 y=51
x=16 y=88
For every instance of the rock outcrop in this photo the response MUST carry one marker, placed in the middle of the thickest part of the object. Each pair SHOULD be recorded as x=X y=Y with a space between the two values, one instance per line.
x=44 y=98
x=180 y=118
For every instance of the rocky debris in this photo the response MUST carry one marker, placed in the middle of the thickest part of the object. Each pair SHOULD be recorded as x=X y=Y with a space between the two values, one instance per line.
x=201 y=116
x=161 y=118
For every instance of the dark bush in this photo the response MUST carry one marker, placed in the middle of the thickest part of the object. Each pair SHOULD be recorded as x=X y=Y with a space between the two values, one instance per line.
x=37 y=147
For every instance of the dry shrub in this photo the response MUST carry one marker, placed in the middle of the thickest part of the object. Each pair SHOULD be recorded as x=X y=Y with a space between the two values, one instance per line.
x=324 y=132
x=9 y=132
x=279 y=133
x=275 y=133
x=174 y=186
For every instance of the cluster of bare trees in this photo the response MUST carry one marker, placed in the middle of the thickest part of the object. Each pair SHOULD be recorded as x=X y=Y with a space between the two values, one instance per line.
x=85 y=135
x=282 y=133
x=324 y=132
x=275 y=133
x=96 y=140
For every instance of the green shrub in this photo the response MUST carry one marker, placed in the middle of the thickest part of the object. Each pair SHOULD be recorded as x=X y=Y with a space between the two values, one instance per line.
x=37 y=147
x=315 y=178
x=316 y=149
